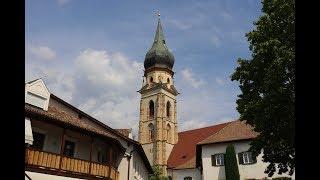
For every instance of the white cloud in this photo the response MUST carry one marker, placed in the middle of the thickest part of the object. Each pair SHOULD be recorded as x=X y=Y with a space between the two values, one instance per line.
x=106 y=86
x=42 y=52
x=189 y=77
x=215 y=41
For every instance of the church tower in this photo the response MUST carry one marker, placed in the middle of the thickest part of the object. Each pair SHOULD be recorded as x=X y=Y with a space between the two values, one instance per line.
x=158 y=130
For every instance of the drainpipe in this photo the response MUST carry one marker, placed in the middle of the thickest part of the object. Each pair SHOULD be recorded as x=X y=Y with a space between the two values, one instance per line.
x=129 y=158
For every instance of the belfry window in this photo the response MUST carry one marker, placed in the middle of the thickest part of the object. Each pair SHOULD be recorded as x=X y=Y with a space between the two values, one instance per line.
x=151 y=132
x=168 y=109
x=151 y=109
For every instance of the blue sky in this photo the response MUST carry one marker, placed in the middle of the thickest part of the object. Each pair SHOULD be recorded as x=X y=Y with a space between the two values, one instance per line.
x=91 y=54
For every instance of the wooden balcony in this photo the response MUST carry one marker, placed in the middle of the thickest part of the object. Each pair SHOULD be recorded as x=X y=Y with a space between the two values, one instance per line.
x=59 y=163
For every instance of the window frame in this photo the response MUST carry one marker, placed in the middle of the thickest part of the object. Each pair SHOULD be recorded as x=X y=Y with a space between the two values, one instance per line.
x=34 y=140
x=74 y=148
x=221 y=158
x=247 y=158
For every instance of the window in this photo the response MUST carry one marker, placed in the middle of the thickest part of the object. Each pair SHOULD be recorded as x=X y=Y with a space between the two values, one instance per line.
x=151 y=109
x=35 y=100
x=69 y=148
x=151 y=132
x=217 y=160
x=170 y=178
x=151 y=79
x=246 y=158
x=101 y=157
x=168 y=109
x=168 y=80
x=38 y=140
x=187 y=178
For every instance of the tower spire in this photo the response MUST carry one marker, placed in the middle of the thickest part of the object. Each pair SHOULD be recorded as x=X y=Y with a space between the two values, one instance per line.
x=159 y=37
x=159 y=54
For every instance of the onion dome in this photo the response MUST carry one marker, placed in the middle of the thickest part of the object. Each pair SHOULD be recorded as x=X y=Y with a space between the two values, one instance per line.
x=159 y=54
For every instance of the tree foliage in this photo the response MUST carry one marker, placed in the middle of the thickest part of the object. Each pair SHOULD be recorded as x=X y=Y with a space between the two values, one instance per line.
x=267 y=82
x=231 y=165
x=157 y=174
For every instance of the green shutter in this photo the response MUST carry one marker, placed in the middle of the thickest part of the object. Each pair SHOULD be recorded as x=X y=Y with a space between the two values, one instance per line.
x=213 y=160
x=240 y=158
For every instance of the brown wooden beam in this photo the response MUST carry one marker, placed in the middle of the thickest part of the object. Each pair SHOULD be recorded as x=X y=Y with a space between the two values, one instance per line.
x=62 y=146
x=91 y=145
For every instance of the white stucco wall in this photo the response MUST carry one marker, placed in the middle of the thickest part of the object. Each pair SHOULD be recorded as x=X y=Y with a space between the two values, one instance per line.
x=182 y=173
x=218 y=172
x=41 y=176
x=139 y=170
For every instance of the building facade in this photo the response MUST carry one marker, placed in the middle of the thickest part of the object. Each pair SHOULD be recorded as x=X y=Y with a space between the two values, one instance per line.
x=63 y=142
x=158 y=130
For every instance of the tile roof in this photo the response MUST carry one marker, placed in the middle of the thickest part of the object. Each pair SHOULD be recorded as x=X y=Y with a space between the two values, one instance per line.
x=124 y=132
x=237 y=130
x=58 y=115
x=183 y=153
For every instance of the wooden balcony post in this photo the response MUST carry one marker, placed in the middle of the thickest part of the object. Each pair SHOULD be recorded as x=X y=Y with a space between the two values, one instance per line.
x=91 y=145
x=110 y=161
x=62 y=146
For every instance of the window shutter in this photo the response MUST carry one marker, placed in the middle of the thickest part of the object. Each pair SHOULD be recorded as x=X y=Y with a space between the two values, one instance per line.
x=213 y=160
x=254 y=159
x=240 y=157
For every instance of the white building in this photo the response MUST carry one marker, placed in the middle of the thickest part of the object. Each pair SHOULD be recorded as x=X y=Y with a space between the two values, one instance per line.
x=62 y=142
x=199 y=154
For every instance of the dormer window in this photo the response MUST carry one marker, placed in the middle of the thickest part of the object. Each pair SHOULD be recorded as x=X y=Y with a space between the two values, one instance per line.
x=37 y=94
x=35 y=100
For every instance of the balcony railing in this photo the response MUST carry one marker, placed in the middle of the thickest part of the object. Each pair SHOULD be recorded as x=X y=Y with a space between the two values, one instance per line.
x=57 y=162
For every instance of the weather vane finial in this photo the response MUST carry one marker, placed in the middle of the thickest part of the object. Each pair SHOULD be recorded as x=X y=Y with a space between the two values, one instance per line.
x=158 y=14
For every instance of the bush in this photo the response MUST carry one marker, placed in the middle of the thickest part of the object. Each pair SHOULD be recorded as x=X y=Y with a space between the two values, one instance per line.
x=231 y=165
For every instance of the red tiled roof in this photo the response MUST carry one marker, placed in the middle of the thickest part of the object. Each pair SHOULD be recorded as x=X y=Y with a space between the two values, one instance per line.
x=237 y=130
x=185 y=150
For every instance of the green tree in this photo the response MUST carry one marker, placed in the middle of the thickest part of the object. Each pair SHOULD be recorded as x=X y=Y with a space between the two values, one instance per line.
x=231 y=165
x=267 y=82
x=157 y=174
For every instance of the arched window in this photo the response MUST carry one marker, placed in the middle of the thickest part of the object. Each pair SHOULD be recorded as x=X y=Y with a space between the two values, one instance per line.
x=151 y=79
x=168 y=80
x=151 y=132
x=151 y=109
x=169 y=134
x=168 y=109
x=187 y=178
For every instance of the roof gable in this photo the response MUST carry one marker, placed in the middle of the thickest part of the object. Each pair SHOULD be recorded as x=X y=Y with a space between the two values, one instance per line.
x=37 y=94
x=185 y=150
x=37 y=87
x=237 y=130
